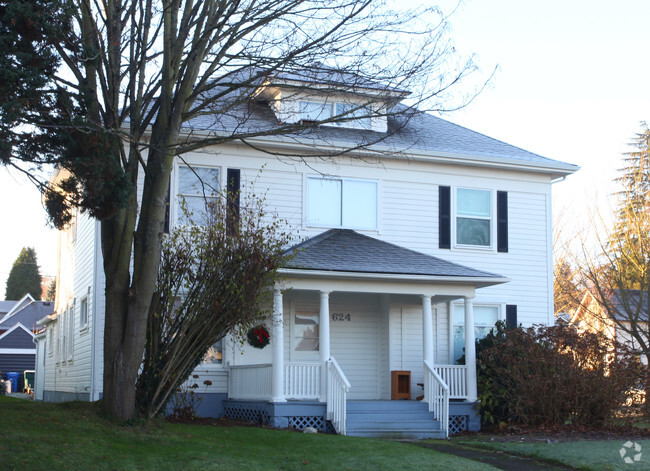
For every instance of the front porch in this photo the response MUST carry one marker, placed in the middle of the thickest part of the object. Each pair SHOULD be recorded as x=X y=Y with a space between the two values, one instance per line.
x=349 y=312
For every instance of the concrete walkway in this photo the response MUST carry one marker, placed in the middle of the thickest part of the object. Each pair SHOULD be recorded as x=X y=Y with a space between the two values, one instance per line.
x=500 y=460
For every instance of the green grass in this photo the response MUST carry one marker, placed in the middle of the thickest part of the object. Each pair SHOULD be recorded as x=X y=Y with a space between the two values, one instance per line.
x=596 y=455
x=70 y=436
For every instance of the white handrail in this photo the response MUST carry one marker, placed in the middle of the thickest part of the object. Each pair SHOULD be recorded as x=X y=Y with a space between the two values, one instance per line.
x=455 y=377
x=436 y=394
x=337 y=389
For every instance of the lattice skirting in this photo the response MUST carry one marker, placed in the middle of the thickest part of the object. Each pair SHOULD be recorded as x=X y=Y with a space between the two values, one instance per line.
x=300 y=422
x=249 y=413
x=457 y=424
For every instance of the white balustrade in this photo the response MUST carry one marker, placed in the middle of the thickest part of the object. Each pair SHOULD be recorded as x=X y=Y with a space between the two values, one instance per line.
x=252 y=382
x=337 y=390
x=302 y=380
x=455 y=377
x=436 y=394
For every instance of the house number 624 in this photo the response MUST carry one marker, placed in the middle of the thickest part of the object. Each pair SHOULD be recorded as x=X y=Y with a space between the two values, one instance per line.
x=339 y=316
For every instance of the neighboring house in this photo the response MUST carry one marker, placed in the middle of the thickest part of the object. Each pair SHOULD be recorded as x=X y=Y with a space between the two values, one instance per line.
x=12 y=306
x=439 y=229
x=17 y=331
x=592 y=317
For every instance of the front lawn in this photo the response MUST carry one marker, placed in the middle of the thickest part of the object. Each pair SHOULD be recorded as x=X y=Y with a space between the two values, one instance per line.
x=75 y=436
x=597 y=455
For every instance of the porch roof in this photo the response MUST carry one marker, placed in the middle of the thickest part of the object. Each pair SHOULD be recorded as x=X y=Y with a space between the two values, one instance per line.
x=344 y=250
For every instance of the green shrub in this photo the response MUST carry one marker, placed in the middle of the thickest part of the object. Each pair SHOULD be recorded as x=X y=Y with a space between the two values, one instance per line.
x=552 y=375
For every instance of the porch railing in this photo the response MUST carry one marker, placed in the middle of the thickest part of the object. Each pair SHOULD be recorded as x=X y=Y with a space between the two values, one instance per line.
x=302 y=380
x=252 y=382
x=337 y=390
x=455 y=377
x=436 y=394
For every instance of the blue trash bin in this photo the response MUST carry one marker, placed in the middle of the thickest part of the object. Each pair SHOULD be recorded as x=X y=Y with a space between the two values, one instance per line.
x=13 y=378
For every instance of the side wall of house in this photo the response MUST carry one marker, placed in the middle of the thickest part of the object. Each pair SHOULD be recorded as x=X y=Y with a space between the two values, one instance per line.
x=69 y=336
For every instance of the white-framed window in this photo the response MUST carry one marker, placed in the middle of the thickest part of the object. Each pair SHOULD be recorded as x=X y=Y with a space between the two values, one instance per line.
x=474 y=215
x=83 y=313
x=342 y=202
x=60 y=339
x=196 y=186
x=305 y=333
x=353 y=115
x=70 y=331
x=485 y=317
x=50 y=340
x=214 y=355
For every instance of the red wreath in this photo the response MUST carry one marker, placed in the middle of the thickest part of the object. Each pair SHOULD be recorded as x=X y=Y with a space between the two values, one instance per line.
x=258 y=336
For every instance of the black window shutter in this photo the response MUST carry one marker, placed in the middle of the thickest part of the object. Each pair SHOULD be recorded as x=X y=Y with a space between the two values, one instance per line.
x=511 y=316
x=502 y=221
x=444 y=217
x=167 y=201
x=232 y=216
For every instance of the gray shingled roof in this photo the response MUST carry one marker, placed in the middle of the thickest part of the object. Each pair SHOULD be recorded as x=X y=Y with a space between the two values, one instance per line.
x=630 y=300
x=344 y=250
x=237 y=114
x=29 y=315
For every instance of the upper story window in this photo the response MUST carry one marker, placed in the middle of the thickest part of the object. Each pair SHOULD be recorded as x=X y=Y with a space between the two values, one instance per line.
x=353 y=115
x=196 y=186
x=83 y=313
x=473 y=217
x=342 y=203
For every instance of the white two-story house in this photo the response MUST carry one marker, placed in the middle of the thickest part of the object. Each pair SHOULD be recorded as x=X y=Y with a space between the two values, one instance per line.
x=409 y=249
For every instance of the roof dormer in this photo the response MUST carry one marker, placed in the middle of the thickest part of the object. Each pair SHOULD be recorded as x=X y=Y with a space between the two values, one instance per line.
x=329 y=97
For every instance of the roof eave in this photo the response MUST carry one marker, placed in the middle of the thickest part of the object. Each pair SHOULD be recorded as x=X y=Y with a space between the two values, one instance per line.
x=554 y=169
x=478 y=281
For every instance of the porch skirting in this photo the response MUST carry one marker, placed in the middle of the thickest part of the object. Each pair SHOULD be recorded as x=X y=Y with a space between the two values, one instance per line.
x=292 y=414
x=463 y=416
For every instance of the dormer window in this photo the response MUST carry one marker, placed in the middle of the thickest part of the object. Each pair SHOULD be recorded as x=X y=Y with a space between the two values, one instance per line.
x=353 y=116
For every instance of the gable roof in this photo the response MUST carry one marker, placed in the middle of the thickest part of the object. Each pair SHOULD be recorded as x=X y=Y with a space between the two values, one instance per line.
x=22 y=302
x=344 y=250
x=17 y=337
x=28 y=315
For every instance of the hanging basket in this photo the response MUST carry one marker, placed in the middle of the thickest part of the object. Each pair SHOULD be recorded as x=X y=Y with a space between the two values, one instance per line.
x=258 y=336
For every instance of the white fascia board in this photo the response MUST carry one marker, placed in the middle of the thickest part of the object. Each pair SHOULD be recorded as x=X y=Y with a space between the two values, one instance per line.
x=387 y=283
x=17 y=351
x=554 y=169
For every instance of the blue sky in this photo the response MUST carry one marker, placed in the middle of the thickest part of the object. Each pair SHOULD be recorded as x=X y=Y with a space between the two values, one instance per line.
x=572 y=84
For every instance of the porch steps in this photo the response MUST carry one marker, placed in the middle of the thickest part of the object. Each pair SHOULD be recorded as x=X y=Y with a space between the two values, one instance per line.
x=391 y=419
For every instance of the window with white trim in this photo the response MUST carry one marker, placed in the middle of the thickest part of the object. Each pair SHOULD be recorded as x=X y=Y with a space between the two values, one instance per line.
x=214 y=355
x=342 y=203
x=352 y=115
x=306 y=331
x=196 y=187
x=70 y=331
x=473 y=217
x=83 y=313
x=485 y=317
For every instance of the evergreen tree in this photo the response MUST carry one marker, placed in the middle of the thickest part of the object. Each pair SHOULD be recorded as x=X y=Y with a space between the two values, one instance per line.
x=24 y=277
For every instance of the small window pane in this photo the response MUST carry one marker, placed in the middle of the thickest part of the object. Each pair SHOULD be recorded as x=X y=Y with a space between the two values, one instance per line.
x=324 y=202
x=363 y=115
x=360 y=204
x=306 y=331
x=473 y=231
x=315 y=111
x=214 y=355
x=83 y=313
x=198 y=181
x=473 y=203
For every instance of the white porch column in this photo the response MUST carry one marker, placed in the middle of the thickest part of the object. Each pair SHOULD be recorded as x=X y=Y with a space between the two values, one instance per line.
x=470 y=350
x=427 y=329
x=277 y=344
x=324 y=341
